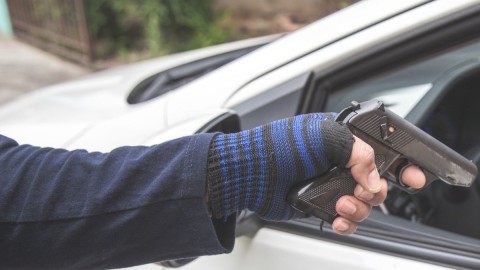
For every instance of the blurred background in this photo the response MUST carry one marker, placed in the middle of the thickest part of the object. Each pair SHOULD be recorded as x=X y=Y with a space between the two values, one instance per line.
x=49 y=41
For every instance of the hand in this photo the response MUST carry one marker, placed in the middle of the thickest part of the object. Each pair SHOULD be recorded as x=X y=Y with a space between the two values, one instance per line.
x=371 y=189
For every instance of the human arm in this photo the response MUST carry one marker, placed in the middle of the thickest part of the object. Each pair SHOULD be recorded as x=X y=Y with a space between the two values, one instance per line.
x=87 y=210
x=135 y=205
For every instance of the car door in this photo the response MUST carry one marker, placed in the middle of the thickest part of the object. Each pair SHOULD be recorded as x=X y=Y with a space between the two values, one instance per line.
x=357 y=67
x=325 y=79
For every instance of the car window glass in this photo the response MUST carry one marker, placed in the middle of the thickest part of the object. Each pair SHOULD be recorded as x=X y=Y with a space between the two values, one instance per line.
x=403 y=89
x=444 y=89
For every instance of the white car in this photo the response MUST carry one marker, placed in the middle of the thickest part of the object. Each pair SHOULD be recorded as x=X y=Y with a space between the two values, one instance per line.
x=421 y=58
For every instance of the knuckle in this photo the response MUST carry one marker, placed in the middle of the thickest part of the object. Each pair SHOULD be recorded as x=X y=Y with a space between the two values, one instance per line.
x=377 y=200
x=367 y=152
x=363 y=213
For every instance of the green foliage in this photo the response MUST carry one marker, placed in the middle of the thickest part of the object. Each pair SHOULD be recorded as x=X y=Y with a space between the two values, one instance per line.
x=158 y=26
x=344 y=3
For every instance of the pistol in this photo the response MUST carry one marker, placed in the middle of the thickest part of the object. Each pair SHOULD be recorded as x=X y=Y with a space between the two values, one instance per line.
x=397 y=144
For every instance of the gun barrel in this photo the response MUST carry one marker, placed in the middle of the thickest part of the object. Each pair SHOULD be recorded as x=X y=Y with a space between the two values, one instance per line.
x=373 y=120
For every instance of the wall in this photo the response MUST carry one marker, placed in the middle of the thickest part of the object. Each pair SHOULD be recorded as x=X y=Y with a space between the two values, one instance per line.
x=5 y=25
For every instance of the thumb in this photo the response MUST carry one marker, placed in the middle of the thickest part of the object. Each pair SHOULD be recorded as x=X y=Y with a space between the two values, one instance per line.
x=362 y=166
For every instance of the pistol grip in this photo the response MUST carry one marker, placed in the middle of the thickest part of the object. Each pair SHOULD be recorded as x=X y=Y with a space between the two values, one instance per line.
x=318 y=196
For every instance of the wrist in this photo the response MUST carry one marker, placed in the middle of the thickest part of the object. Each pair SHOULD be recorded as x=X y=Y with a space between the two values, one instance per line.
x=255 y=169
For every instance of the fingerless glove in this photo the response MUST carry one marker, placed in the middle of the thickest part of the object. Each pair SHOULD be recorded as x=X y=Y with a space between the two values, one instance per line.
x=255 y=169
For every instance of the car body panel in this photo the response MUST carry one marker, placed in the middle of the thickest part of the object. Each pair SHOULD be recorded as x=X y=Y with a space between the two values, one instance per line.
x=285 y=50
x=272 y=249
x=94 y=108
x=92 y=113
x=343 y=49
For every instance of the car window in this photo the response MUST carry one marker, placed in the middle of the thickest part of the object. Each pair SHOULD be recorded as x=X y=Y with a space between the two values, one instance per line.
x=439 y=95
x=402 y=90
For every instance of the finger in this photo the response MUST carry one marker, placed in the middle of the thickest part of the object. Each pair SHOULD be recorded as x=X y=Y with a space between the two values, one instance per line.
x=362 y=166
x=352 y=208
x=373 y=199
x=413 y=176
x=344 y=226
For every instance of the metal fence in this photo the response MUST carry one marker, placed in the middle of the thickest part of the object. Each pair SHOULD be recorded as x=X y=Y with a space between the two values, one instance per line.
x=58 y=26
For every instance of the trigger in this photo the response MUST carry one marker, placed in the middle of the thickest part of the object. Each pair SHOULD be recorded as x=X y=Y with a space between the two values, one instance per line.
x=399 y=172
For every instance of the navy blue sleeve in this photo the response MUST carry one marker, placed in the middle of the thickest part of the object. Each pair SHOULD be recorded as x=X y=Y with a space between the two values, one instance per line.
x=64 y=209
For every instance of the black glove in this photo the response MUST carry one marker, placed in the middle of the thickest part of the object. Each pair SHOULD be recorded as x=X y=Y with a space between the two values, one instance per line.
x=255 y=169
